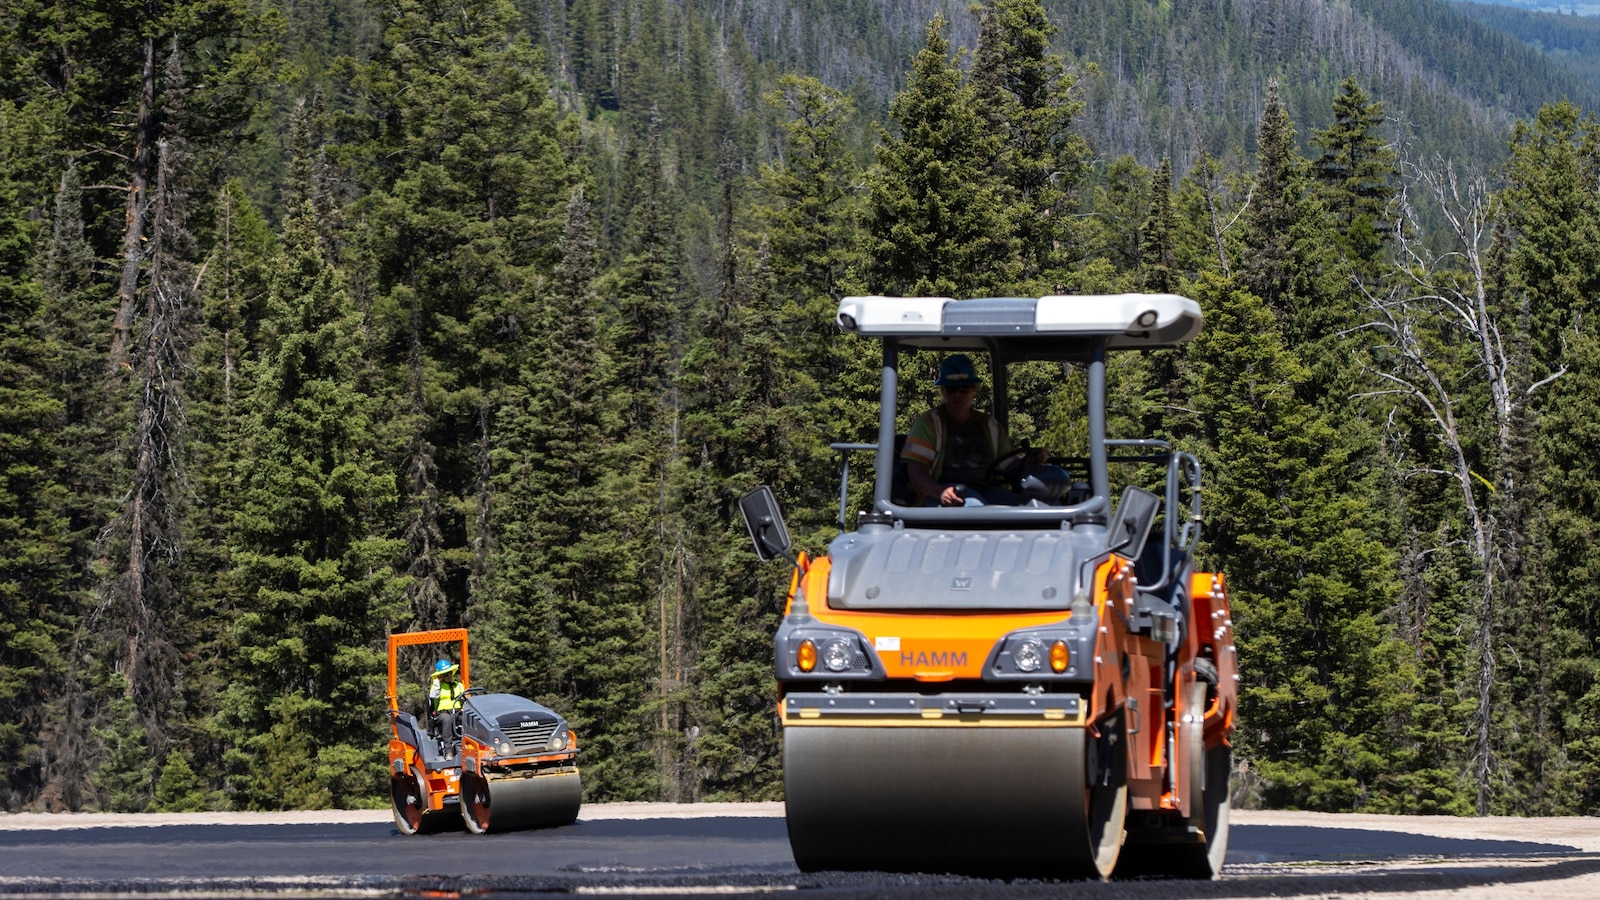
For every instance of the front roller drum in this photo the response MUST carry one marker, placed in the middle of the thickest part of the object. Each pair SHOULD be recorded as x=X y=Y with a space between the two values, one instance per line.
x=506 y=802
x=985 y=801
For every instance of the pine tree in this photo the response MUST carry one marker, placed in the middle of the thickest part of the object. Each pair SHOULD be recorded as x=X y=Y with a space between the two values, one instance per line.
x=1546 y=293
x=37 y=606
x=312 y=572
x=1028 y=98
x=1268 y=270
x=567 y=619
x=1327 y=679
x=936 y=223
x=1357 y=171
x=1156 y=249
x=138 y=596
x=464 y=160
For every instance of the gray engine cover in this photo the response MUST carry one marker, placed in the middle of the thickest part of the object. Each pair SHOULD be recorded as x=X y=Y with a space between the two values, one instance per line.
x=949 y=569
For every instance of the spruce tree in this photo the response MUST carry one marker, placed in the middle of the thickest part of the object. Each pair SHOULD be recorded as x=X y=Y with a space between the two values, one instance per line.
x=1268 y=270
x=313 y=571
x=1156 y=251
x=566 y=621
x=937 y=222
x=462 y=155
x=37 y=604
x=1030 y=101
x=1326 y=680
x=1357 y=171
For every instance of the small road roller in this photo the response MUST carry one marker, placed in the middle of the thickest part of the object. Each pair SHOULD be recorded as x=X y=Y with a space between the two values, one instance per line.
x=1039 y=684
x=505 y=762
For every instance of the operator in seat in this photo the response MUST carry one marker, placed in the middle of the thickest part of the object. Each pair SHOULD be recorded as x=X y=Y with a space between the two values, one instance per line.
x=951 y=448
x=444 y=698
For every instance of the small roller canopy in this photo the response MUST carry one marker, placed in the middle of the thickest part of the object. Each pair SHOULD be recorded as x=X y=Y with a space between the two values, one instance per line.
x=1128 y=321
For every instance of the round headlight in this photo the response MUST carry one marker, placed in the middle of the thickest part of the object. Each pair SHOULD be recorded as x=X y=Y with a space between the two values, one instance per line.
x=558 y=741
x=1059 y=657
x=505 y=748
x=1028 y=656
x=836 y=655
x=806 y=656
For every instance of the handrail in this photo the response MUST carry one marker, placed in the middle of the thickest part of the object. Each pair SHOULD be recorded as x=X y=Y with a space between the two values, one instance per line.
x=844 y=449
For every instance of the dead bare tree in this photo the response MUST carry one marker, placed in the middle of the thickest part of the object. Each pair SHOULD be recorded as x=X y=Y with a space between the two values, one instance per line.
x=1437 y=301
x=145 y=537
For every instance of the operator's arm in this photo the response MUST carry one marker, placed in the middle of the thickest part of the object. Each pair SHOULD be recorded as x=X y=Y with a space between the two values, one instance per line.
x=922 y=482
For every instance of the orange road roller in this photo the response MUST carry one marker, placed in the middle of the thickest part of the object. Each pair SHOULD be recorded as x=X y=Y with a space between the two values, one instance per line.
x=497 y=761
x=999 y=671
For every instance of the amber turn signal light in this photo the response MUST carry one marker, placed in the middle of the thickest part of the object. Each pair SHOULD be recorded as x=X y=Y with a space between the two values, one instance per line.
x=1059 y=657
x=807 y=655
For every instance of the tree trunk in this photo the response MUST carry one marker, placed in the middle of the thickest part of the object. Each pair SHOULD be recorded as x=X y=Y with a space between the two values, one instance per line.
x=133 y=234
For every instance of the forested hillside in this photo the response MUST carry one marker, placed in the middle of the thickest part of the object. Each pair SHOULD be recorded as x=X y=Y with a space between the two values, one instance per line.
x=1573 y=42
x=322 y=320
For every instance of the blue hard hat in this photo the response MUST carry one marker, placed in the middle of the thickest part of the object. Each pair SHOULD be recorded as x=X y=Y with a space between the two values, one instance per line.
x=958 y=371
x=442 y=665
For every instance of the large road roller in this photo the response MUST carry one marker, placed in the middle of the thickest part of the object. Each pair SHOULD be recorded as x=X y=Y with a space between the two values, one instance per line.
x=500 y=762
x=1022 y=677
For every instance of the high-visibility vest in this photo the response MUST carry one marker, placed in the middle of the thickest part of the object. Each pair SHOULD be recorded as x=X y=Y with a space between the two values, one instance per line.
x=449 y=697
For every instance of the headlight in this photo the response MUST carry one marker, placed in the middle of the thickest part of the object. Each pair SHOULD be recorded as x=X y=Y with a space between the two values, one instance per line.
x=1028 y=656
x=836 y=655
x=558 y=741
x=505 y=748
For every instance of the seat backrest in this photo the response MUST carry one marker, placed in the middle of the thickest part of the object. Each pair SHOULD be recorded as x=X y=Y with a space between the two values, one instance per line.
x=900 y=491
x=406 y=729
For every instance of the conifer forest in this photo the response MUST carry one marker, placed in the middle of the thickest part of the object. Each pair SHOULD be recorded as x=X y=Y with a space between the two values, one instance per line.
x=326 y=319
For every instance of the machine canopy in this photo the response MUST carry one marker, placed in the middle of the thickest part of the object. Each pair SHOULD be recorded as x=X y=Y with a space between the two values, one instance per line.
x=1125 y=321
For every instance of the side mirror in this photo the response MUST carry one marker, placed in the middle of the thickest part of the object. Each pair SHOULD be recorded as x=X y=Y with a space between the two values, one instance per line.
x=1130 y=527
x=765 y=522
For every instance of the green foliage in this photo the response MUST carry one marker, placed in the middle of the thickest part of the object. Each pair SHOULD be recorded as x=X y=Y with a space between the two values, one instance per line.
x=36 y=603
x=516 y=299
x=461 y=151
x=1327 y=682
x=124 y=778
x=1030 y=101
x=1357 y=169
x=936 y=222
x=178 y=789
x=312 y=568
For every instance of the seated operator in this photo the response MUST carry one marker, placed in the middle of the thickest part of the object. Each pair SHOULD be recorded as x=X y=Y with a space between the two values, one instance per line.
x=951 y=448
x=443 y=701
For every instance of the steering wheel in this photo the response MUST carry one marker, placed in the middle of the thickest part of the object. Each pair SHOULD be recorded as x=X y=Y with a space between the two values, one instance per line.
x=1008 y=467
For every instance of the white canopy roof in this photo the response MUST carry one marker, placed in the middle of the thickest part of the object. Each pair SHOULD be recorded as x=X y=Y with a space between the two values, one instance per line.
x=1131 y=321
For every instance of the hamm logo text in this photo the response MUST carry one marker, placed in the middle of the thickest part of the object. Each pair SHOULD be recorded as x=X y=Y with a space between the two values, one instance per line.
x=952 y=659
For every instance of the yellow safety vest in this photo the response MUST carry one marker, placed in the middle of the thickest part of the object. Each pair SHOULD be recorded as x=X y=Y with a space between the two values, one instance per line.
x=449 y=697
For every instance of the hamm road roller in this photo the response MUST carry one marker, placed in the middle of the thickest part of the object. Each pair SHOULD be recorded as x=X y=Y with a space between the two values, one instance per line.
x=504 y=762
x=1023 y=680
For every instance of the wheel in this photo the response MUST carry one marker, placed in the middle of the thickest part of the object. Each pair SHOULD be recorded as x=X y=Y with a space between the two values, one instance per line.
x=986 y=802
x=475 y=802
x=410 y=802
x=1105 y=797
x=1207 y=858
x=1193 y=736
x=1192 y=847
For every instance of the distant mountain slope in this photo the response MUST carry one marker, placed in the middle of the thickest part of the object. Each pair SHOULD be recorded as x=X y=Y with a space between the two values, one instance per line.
x=1178 y=75
x=1572 y=42
x=1175 y=76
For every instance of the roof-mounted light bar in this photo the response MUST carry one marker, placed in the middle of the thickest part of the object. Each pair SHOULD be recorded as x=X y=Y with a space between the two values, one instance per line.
x=1129 y=320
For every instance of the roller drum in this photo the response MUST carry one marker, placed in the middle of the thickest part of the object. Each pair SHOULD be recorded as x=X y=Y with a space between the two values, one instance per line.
x=504 y=803
x=981 y=801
